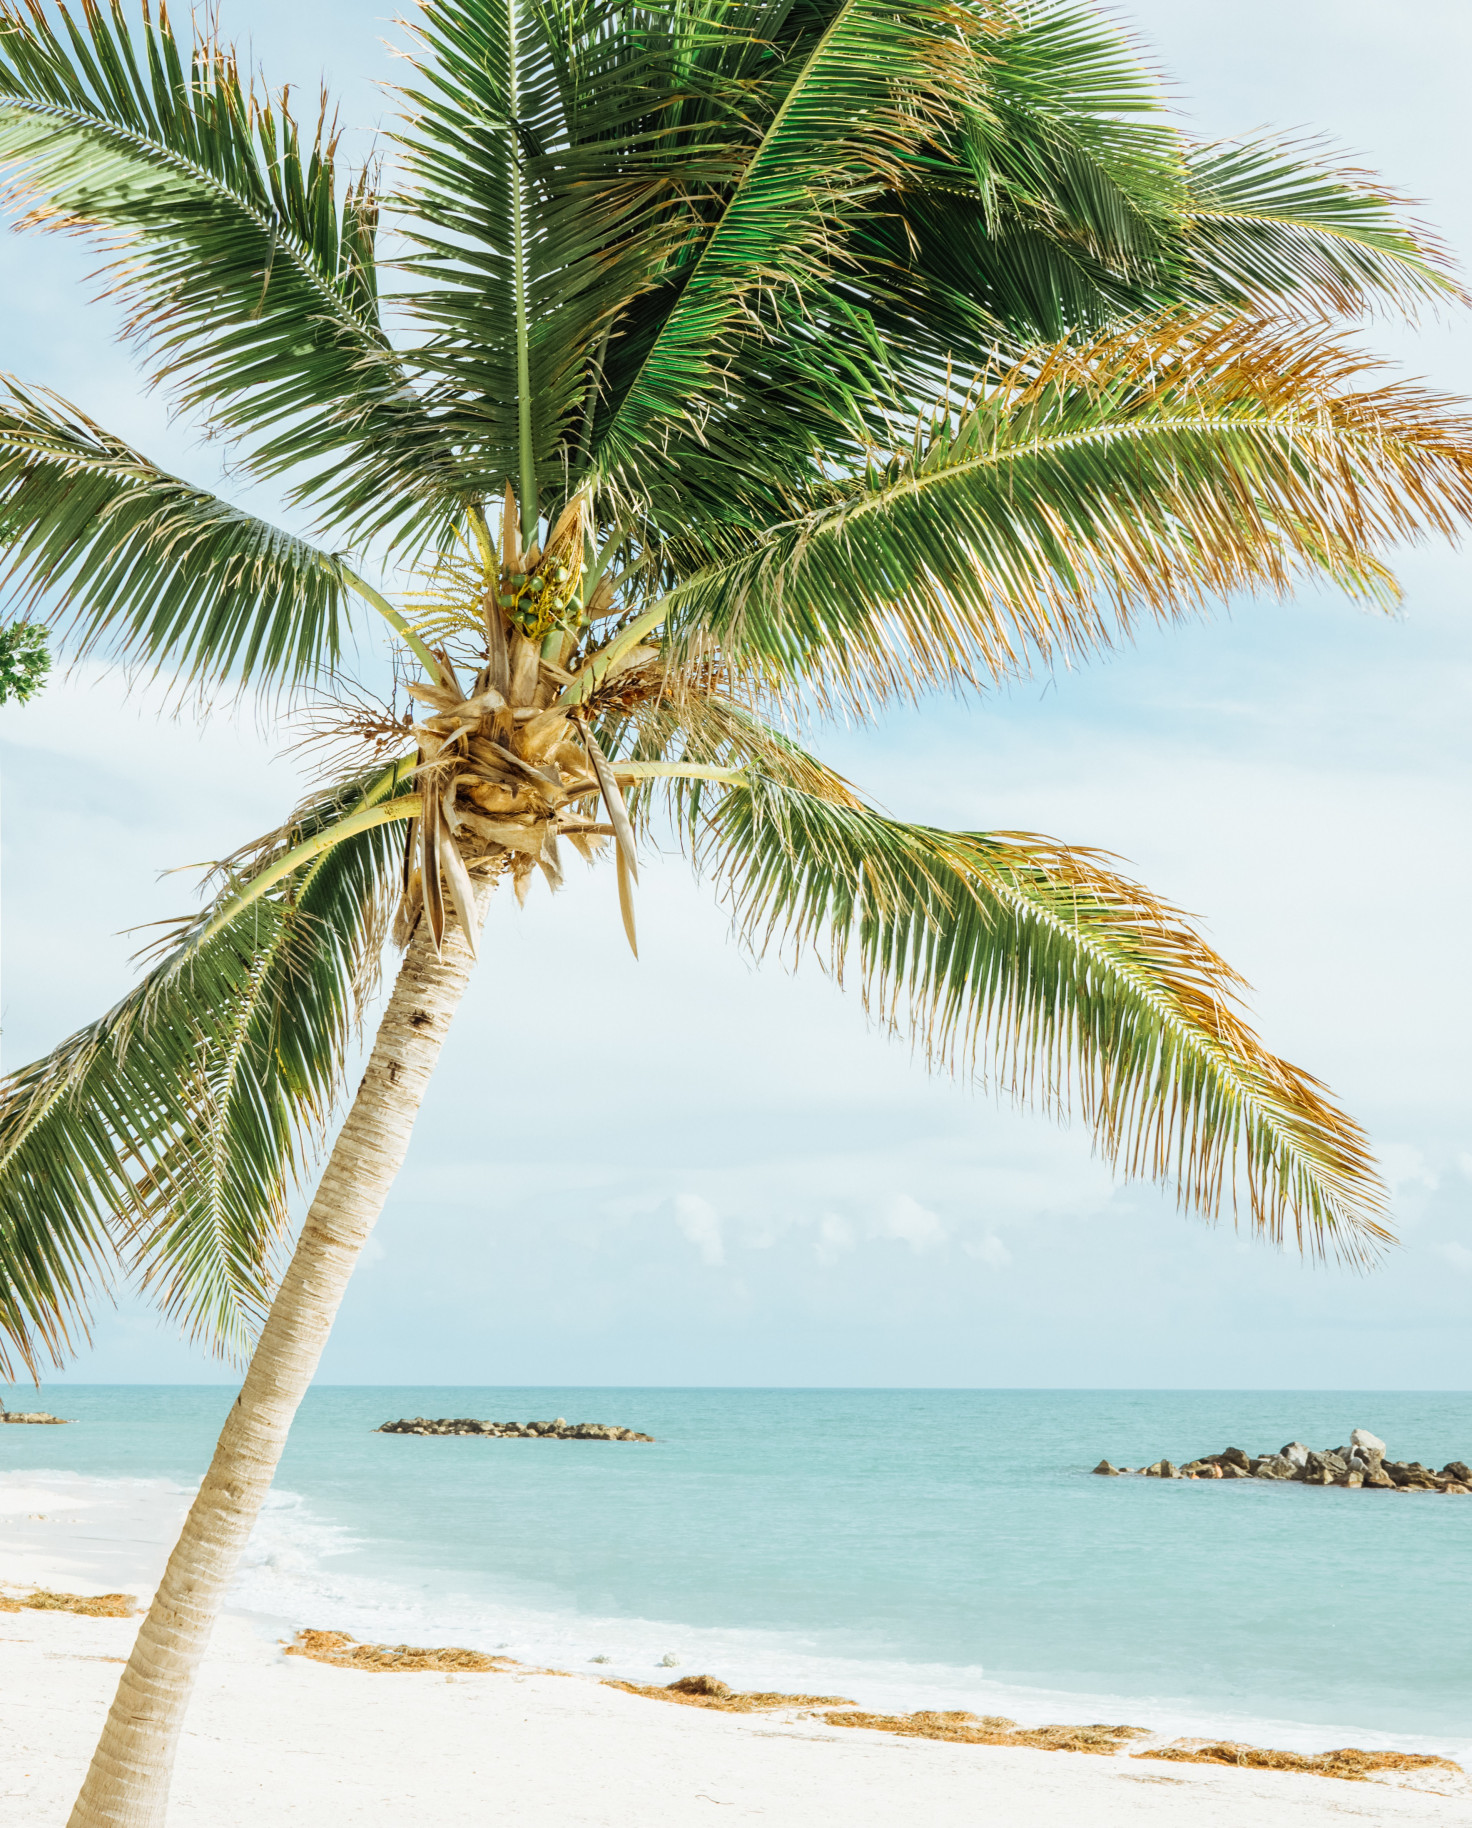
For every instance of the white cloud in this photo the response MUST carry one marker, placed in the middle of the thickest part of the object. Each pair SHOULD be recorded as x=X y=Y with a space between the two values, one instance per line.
x=906 y=1220
x=701 y=1224
x=835 y=1236
x=989 y=1249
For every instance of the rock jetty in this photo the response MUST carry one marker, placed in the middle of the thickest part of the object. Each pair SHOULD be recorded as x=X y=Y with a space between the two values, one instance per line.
x=1363 y=1464
x=33 y=1415
x=558 y=1430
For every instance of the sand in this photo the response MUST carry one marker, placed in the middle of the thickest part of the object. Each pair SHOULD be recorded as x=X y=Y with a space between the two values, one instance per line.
x=277 y=1739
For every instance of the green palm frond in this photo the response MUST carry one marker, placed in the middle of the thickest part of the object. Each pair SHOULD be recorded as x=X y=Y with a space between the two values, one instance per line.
x=1055 y=200
x=1269 y=221
x=171 y=1131
x=566 y=165
x=148 y=568
x=248 y=266
x=1076 y=988
x=852 y=107
x=1146 y=473
x=1046 y=212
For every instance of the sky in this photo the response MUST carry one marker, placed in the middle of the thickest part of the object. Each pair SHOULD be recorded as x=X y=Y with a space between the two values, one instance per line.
x=701 y=1170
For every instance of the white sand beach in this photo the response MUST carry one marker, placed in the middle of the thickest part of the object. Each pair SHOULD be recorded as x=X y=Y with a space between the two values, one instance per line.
x=274 y=1739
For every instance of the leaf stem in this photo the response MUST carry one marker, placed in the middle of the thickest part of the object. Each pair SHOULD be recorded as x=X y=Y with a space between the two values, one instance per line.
x=395 y=621
x=529 y=517
x=407 y=806
x=679 y=771
x=589 y=676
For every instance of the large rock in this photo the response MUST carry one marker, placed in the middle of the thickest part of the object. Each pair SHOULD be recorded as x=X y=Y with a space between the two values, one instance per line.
x=1234 y=1456
x=1273 y=1466
x=1110 y=1472
x=1458 y=1470
x=1412 y=1476
x=1367 y=1443
x=1296 y=1452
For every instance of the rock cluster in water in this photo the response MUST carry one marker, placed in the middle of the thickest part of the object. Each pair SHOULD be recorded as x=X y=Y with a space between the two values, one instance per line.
x=558 y=1430
x=33 y=1415
x=1363 y=1463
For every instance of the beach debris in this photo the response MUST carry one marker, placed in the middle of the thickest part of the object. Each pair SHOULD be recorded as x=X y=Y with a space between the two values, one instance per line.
x=560 y=1429
x=1347 y=1762
x=704 y=1691
x=669 y=1661
x=87 y=1605
x=995 y=1729
x=1363 y=1464
x=600 y=1659
x=337 y=1648
x=703 y=1685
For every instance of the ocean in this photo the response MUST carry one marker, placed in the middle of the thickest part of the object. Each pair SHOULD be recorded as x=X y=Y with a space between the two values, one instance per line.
x=905 y=1548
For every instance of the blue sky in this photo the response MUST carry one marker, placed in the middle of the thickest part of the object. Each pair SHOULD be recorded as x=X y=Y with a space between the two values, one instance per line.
x=741 y=1183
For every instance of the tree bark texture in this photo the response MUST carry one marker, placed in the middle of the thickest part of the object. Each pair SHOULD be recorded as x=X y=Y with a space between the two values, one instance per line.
x=127 y=1785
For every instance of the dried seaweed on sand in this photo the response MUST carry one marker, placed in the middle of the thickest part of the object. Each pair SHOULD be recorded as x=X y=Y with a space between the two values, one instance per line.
x=89 y=1605
x=337 y=1648
x=994 y=1729
x=1347 y=1762
x=710 y=1691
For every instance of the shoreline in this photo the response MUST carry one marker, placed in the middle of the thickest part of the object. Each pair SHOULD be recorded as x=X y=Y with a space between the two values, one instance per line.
x=61 y=1549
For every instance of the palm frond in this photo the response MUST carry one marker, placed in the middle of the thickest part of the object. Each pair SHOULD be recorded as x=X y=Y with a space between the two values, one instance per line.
x=149 y=569
x=1069 y=199
x=172 y=1131
x=1269 y=221
x=1045 y=212
x=247 y=263
x=851 y=105
x=1077 y=989
x=562 y=161
x=1152 y=472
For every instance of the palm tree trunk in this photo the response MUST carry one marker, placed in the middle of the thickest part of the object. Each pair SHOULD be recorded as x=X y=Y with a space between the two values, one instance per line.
x=127 y=1785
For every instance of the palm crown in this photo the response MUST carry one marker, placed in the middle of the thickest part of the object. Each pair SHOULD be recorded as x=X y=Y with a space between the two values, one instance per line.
x=747 y=360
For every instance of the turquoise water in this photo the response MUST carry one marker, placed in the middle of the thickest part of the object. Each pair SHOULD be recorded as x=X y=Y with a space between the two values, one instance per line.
x=920 y=1547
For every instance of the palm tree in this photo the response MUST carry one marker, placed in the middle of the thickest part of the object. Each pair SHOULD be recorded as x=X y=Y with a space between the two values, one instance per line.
x=754 y=360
